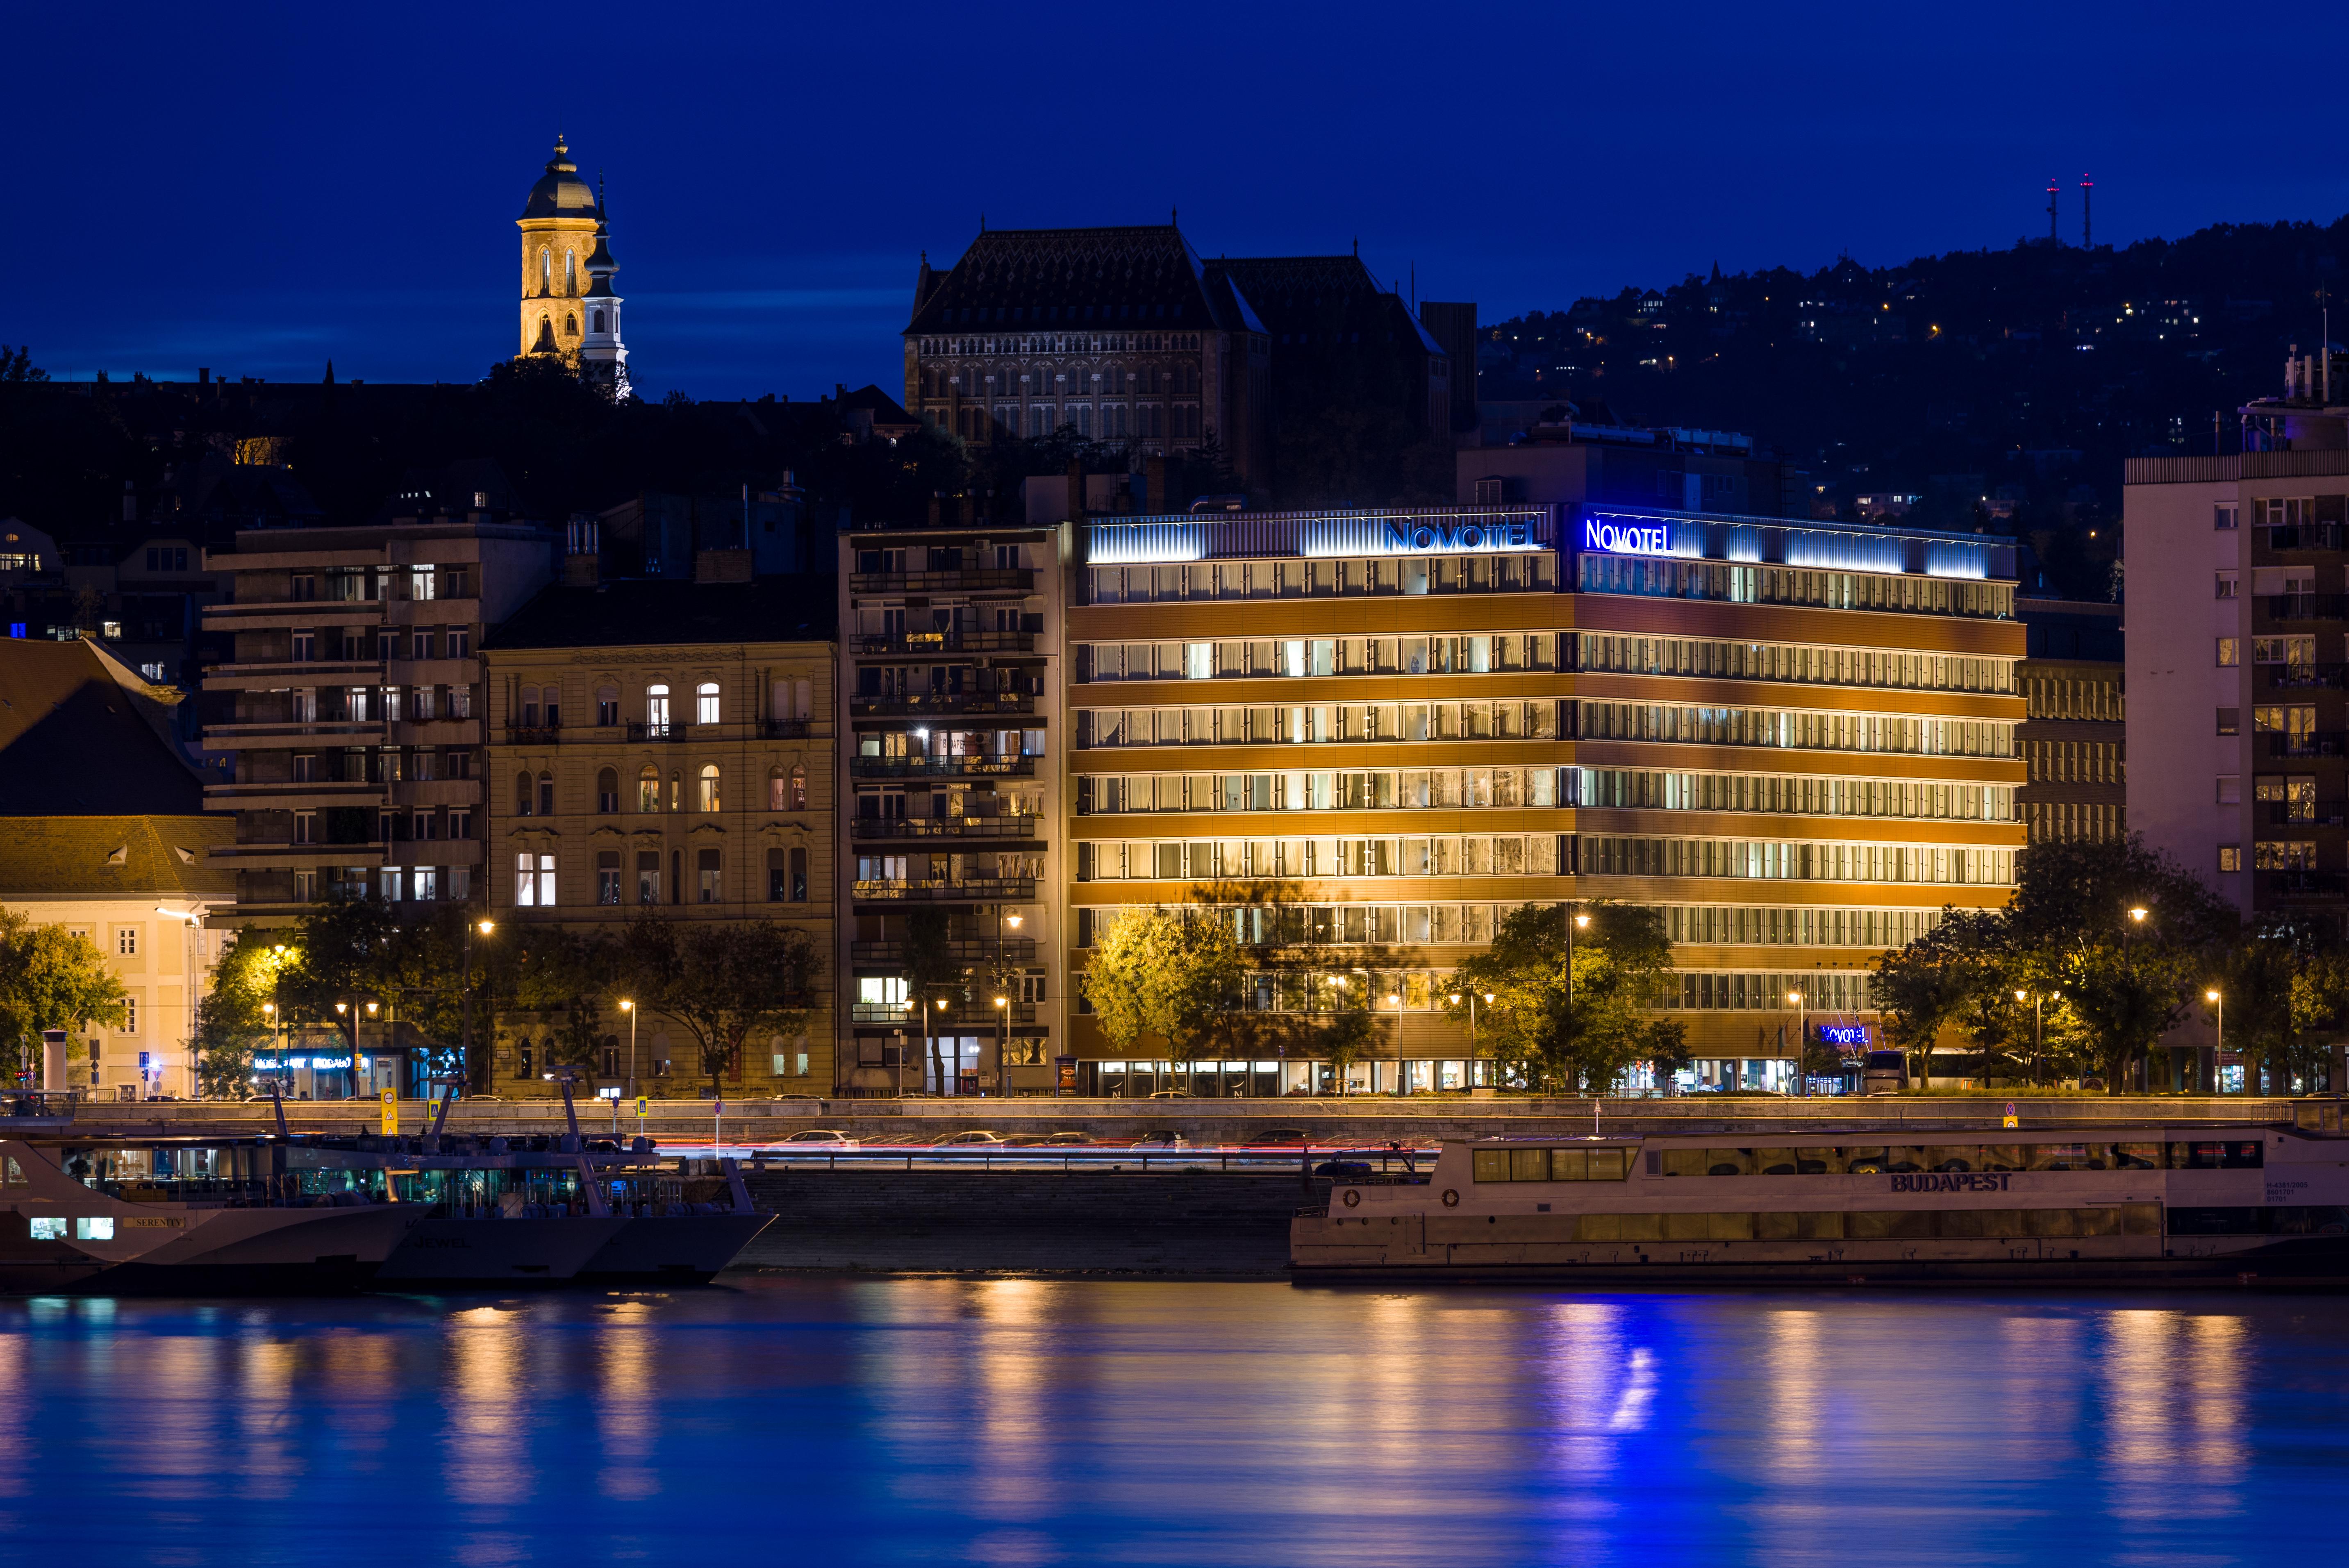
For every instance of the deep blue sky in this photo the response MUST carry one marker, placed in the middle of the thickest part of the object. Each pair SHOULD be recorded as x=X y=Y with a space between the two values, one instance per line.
x=256 y=189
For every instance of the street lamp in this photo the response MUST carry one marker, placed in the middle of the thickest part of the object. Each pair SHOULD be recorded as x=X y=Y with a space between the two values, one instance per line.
x=1802 y=1043
x=465 y=1045
x=1339 y=981
x=629 y=1007
x=2218 y=999
x=1002 y=1032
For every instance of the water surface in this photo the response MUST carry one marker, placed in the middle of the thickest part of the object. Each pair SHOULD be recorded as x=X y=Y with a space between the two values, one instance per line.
x=791 y=1421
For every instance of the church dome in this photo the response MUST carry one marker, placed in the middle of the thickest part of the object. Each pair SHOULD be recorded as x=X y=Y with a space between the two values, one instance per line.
x=560 y=193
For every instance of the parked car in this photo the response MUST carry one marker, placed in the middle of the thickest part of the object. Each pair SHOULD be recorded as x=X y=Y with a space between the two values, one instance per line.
x=1069 y=1138
x=1344 y=1169
x=1022 y=1139
x=974 y=1136
x=1280 y=1135
x=829 y=1138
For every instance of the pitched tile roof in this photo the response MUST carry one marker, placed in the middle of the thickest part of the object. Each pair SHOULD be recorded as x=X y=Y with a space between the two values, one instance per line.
x=646 y=612
x=1068 y=277
x=117 y=857
x=81 y=735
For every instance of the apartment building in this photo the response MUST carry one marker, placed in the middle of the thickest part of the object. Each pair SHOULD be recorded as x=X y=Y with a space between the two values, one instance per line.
x=2075 y=735
x=1373 y=734
x=950 y=795
x=660 y=744
x=351 y=707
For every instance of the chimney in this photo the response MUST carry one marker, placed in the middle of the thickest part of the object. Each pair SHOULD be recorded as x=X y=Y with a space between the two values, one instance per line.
x=1076 y=490
x=1154 y=470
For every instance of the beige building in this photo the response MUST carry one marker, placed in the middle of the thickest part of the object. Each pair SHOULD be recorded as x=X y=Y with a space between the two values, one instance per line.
x=664 y=744
x=102 y=831
x=2074 y=732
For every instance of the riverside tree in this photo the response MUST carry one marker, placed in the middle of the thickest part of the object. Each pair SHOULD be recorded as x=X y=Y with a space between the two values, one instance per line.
x=1573 y=1025
x=1163 y=971
x=50 y=978
x=722 y=981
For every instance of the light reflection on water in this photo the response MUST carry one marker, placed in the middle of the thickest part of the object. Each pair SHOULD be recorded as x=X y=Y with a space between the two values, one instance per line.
x=1045 y=1421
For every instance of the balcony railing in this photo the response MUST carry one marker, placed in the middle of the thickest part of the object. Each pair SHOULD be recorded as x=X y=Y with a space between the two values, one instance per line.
x=2309 y=743
x=969 y=890
x=959 y=1017
x=2307 y=813
x=971 y=642
x=2297 y=885
x=975 y=950
x=786 y=728
x=942 y=766
x=2304 y=606
x=638 y=730
x=944 y=827
x=964 y=578
x=534 y=734
x=919 y=704
x=2306 y=536
x=2300 y=678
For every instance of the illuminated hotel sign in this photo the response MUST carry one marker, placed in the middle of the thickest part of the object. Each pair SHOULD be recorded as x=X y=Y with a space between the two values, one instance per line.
x=316 y=1064
x=1843 y=1034
x=1441 y=538
x=1625 y=538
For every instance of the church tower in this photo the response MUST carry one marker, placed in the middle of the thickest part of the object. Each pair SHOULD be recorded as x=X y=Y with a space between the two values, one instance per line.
x=602 y=357
x=560 y=224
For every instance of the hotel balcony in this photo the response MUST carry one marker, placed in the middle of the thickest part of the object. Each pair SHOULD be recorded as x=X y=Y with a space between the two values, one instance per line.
x=969 y=890
x=293 y=734
x=282 y=676
x=280 y=614
x=958 y=705
x=958 y=1018
x=942 y=766
x=294 y=795
x=944 y=827
x=1017 y=581
x=978 y=949
x=929 y=645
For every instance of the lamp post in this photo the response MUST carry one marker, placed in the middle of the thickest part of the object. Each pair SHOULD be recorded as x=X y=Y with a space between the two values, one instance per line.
x=1802 y=1043
x=1394 y=1000
x=1003 y=1042
x=629 y=1007
x=2217 y=998
x=1339 y=981
x=2136 y=915
x=1002 y=1031
x=465 y=1046
x=269 y=1011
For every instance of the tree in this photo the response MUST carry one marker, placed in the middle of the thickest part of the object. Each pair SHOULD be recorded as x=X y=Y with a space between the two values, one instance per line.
x=50 y=978
x=1941 y=978
x=1171 y=973
x=567 y=978
x=234 y=1021
x=933 y=974
x=1575 y=1025
x=722 y=981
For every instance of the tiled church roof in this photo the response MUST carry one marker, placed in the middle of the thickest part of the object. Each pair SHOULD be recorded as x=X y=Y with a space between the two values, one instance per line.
x=1048 y=278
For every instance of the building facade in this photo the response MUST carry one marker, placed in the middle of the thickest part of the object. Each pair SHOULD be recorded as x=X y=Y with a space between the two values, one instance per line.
x=2075 y=735
x=1370 y=736
x=2237 y=713
x=666 y=746
x=350 y=711
x=952 y=806
x=102 y=831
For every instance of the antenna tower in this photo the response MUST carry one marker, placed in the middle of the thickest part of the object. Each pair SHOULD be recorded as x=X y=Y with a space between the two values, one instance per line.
x=2053 y=237
x=2087 y=190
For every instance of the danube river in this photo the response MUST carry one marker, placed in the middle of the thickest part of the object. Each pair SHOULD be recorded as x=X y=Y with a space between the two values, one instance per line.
x=875 y=1421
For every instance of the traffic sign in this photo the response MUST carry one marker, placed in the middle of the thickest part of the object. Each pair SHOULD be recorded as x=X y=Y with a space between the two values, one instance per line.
x=2012 y=1119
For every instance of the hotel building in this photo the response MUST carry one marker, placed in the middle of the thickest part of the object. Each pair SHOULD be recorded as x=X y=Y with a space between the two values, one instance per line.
x=1370 y=735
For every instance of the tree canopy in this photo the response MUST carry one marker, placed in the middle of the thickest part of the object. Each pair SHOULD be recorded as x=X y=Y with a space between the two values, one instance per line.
x=1573 y=1024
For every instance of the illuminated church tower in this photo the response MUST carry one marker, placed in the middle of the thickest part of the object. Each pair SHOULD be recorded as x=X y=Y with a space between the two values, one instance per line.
x=568 y=308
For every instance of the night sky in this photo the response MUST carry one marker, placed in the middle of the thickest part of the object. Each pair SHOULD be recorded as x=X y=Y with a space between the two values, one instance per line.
x=260 y=189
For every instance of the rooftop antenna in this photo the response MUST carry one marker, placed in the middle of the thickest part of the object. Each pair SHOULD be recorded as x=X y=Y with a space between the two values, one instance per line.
x=2053 y=237
x=2087 y=191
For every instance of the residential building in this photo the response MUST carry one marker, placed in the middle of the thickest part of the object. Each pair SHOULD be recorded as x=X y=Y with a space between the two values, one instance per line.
x=2074 y=731
x=1338 y=340
x=103 y=831
x=351 y=706
x=666 y=746
x=952 y=806
x=1369 y=736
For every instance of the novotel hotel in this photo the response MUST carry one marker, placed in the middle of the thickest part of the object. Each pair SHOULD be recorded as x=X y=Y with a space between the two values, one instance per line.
x=1368 y=735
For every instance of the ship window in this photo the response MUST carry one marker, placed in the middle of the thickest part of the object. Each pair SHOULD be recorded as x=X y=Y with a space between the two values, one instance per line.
x=1529 y=1164
x=2217 y=1154
x=1799 y=1227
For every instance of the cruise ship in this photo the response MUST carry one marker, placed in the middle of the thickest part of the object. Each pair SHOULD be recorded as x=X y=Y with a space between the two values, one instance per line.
x=1858 y=1205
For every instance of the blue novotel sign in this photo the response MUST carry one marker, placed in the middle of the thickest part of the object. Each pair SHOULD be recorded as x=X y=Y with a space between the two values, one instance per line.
x=1441 y=536
x=1625 y=536
x=1843 y=1034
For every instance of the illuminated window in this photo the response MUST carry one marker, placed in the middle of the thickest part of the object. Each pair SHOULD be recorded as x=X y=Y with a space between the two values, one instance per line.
x=705 y=703
x=649 y=790
x=707 y=797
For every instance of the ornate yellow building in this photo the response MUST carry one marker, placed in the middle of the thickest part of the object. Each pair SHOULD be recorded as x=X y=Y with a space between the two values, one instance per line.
x=568 y=306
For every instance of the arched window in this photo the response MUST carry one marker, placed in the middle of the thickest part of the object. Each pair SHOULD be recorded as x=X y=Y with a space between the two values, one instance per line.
x=546 y=794
x=649 y=790
x=545 y=271
x=570 y=326
x=799 y=787
x=676 y=790
x=705 y=703
x=777 y=791
x=571 y=272
x=521 y=794
x=656 y=710
x=597 y=318
x=607 y=792
x=709 y=795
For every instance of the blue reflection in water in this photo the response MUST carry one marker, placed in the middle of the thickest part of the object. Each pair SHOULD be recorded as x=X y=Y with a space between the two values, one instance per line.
x=1024 y=1421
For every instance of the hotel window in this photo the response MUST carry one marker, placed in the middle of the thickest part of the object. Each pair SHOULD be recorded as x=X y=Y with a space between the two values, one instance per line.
x=656 y=710
x=607 y=876
x=705 y=703
x=2228 y=582
x=522 y=794
x=2223 y=516
x=2230 y=857
x=2231 y=652
x=546 y=794
x=707 y=796
x=534 y=881
x=607 y=707
x=707 y=866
